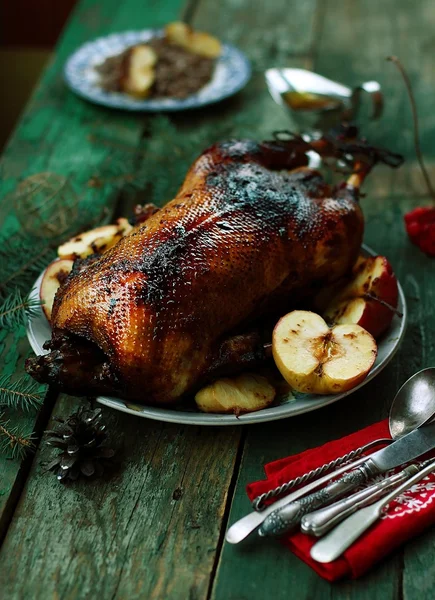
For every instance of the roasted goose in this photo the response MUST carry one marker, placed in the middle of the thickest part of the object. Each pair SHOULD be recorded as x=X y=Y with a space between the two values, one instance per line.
x=252 y=228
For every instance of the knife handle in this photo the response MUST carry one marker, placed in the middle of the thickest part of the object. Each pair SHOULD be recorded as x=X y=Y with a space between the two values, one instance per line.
x=259 y=502
x=323 y=520
x=341 y=537
x=289 y=516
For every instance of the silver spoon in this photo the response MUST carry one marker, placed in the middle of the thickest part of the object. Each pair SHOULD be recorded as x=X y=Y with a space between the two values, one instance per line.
x=414 y=404
x=407 y=404
x=399 y=424
x=413 y=407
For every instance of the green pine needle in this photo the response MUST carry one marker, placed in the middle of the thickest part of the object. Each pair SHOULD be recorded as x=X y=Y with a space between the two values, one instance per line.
x=22 y=393
x=15 y=310
x=15 y=441
x=22 y=257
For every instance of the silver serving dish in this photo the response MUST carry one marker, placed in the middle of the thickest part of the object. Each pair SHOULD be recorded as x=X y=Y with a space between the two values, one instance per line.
x=317 y=103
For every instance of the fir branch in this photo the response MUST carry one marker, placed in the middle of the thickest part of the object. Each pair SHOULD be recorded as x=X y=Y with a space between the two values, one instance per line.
x=15 y=441
x=15 y=310
x=22 y=257
x=36 y=262
x=22 y=393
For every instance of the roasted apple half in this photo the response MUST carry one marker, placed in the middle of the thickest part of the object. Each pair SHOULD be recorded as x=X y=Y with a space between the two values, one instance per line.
x=197 y=42
x=96 y=240
x=369 y=299
x=242 y=394
x=55 y=274
x=138 y=73
x=316 y=359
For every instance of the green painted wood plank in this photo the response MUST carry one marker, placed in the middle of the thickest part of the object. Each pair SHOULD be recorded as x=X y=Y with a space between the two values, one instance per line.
x=149 y=531
x=271 y=34
x=353 y=39
x=56 y=134
x=367 y=35
x=418 y=569
x=127 y=537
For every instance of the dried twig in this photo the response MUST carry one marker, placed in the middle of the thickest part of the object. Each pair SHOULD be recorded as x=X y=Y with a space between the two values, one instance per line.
x=418 y=152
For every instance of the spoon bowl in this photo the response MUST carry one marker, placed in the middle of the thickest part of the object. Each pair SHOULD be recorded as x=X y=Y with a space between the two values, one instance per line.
x=412 y=407
x=414 y=404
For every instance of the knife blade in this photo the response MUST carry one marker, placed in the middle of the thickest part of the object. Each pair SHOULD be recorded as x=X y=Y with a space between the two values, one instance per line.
x=339 y=539
x=246 y=525
x=405 y=449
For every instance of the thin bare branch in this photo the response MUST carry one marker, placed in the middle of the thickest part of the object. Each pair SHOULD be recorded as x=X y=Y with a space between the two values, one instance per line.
x=417 y=147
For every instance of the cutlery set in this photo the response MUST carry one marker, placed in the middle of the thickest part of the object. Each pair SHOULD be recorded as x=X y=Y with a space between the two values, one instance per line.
x=323 y=507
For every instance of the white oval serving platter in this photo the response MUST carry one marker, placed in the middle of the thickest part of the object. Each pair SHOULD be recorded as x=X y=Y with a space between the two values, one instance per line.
x=38 y=331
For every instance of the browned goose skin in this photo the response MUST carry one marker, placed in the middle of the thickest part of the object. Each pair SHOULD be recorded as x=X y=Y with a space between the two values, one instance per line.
x=241 y=236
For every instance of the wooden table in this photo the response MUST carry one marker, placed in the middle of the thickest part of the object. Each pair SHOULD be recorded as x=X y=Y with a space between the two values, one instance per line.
x=155 y=529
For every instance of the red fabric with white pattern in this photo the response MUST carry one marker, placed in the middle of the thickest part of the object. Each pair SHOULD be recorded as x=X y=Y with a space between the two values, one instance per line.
x=404 y=518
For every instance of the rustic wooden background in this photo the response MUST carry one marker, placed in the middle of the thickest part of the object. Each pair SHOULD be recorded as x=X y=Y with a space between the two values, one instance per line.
x=155 y=529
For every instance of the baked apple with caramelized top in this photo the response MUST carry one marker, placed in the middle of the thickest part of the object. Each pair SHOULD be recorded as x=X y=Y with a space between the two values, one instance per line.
x=54 y=275
x=94 y=241
x=244 y=393
x=316 y=359
x=369 y=299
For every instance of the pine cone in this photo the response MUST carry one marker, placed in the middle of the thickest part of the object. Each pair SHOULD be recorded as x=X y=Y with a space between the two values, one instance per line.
x=79 y=437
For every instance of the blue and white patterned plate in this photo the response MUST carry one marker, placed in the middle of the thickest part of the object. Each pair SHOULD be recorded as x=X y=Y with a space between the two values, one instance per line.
x=231 y=74
x=38 y=331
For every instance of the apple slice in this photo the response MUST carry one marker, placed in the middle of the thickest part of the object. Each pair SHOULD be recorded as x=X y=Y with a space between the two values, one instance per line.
x=315 y=359
x=96 y=240
x=241 y=394
x=139 y=74
x=204 y=44
x=369 y=299
x=197 y=42
x=55 y=274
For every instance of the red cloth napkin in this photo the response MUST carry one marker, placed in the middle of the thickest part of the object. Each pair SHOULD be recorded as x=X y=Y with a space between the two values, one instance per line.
x=405 y=517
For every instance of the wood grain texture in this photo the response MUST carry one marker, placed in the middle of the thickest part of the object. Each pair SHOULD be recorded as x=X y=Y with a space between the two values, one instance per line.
x=56 y=134
x=14 y=349
x=51 y=136
x=355 y=40
x=153 y=529
x=352 y=40
x=150 y=530
x=271 y=34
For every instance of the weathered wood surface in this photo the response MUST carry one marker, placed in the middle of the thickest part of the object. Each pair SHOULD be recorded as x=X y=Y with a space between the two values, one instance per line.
x=170 y=498
x=151 y=530
x=352 y=40
x=155 y=528
x=56 y=134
